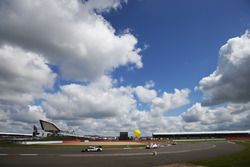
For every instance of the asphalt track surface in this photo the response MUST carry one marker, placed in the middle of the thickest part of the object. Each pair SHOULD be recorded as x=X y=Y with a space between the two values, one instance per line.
x=65 y=157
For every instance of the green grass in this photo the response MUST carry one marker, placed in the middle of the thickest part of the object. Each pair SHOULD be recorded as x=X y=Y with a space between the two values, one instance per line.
x=241 y=159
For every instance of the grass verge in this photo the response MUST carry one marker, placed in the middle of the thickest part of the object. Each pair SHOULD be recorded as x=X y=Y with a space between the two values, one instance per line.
x=241 y=159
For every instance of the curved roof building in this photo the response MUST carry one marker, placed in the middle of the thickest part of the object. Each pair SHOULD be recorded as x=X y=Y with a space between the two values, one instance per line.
x=49 y=127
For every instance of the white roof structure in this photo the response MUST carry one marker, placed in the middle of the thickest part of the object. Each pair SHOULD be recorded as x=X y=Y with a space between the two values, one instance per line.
x=15 y=134
x=205 y=133
x=49 y=127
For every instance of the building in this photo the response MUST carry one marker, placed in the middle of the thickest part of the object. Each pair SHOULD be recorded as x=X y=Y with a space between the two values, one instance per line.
x=15 y=136
x=202 y=135
x=49 y=127
x=123 y=136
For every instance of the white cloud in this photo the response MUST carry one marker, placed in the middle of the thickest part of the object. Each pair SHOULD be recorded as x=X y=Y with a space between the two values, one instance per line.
x=230 y=82
x=228 y=117
x=109 y=109
x=75 y=37
x=3 y=116
x=194 y=114
x=82 y=43
x=149 y=84
x=19 y=118
x=23 y=75
x=29 y=114
x=170 y=101
x=80 y=102
x=163 y=103
x=103 y=5
x=228 y=85
x=145 y=95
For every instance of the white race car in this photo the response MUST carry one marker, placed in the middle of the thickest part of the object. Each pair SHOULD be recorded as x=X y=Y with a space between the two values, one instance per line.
x=152 y=146
x=92 y=149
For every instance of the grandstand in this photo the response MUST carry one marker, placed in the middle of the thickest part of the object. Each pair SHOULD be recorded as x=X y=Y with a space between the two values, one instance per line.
x=203 y=135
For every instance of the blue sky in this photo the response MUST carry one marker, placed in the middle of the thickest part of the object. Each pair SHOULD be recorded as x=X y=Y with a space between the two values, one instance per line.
x=184 y=39
x=79 y=63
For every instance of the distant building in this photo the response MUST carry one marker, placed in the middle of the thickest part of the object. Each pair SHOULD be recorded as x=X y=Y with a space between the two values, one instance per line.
x=35 y=131
x=14 y=136
x=49 y=127
x=123 y=136
x=202 y=135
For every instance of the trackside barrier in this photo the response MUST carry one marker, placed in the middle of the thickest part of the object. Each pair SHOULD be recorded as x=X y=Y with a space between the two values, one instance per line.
x=40 y=142
x=71 y=141
x=135 y=141
x=239 y=138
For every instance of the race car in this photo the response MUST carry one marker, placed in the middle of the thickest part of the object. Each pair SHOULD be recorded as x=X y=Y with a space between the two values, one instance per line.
x=152 y=146
x=92 y=149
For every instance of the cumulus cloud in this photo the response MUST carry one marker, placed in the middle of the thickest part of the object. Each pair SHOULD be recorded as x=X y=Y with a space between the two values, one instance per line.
x=76 y=38
x=194 y=114
x=128 y=121
x=80 y=102
x=82 y=43
x=110 y=109
x=3 y=116
x=95 y=101
x=230 y=82
x=228 y=85
x=70 y=35
x=29 y=114
x=20 y=118
x=103 y=5
x=170 y=101
x=164 y=102
x=145 y=95
x=23 y=75
x=228 y=117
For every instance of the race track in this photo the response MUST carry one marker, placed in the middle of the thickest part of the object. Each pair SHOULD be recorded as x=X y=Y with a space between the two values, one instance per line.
x=114 y=157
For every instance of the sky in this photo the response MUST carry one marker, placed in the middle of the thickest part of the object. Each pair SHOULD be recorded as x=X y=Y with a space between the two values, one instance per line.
x=101 y=67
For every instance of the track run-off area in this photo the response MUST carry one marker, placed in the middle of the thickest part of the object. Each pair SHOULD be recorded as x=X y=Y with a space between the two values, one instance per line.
x=173 y=149
x=184 y=152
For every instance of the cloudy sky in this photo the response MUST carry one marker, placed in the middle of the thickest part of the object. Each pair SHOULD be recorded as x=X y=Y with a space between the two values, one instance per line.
x=105 y=66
